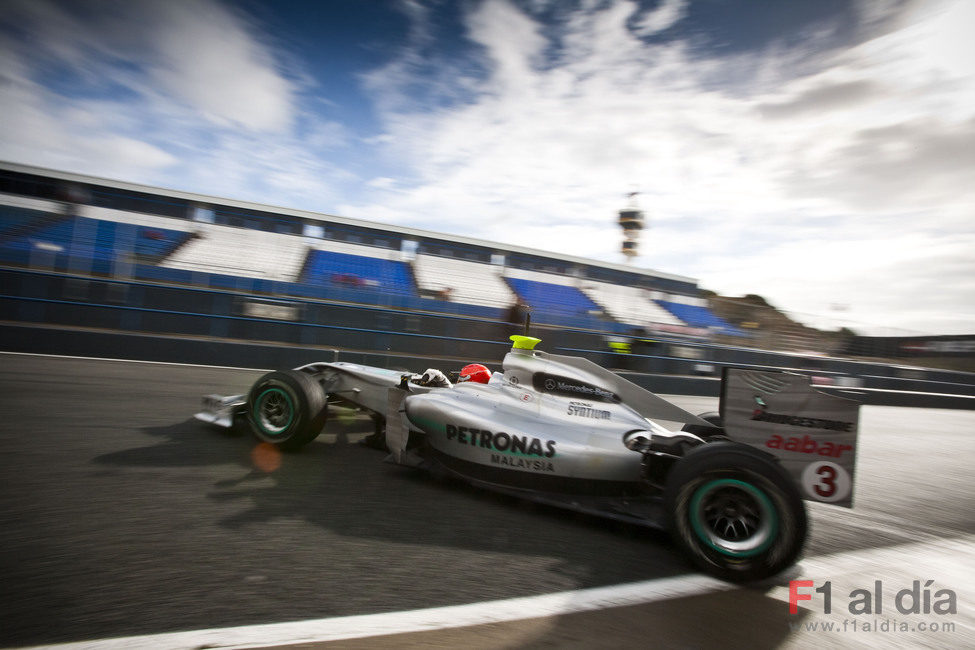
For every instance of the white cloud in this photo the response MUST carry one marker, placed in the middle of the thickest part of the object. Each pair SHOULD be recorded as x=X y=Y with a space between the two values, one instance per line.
x=178 y=94
x=663 y=17
x=840 y=184
x=207 y=56
x=196 y=52
x=41 y=129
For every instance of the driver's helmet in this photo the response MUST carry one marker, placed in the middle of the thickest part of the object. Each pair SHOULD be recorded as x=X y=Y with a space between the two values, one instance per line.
x=474 y=372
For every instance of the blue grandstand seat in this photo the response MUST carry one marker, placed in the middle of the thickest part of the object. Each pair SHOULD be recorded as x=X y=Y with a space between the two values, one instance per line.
x=58 y=234
x=357 y=272
x=553 y=299
x=697 y=316
x=103 y=240
x=15 y=220
x=158 y=243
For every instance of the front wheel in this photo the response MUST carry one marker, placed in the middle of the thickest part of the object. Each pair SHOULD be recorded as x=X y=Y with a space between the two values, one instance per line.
x=735 y=512
x=287 y=409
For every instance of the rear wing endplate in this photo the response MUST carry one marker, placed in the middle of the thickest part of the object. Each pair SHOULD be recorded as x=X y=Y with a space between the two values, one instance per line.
x=811 y=433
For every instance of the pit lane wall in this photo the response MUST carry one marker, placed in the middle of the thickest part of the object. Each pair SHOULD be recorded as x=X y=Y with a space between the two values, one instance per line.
x=61 y=314
x=954 y=352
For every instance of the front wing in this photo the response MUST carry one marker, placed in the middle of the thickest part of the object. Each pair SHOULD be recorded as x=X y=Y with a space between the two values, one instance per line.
x=221 y=410
x=350 y=383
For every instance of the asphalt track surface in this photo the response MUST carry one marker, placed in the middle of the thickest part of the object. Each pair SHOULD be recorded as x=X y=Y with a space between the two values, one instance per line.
x=121 y=516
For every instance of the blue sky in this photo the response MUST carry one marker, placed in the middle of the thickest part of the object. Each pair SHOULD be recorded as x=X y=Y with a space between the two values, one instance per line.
x=818 y=152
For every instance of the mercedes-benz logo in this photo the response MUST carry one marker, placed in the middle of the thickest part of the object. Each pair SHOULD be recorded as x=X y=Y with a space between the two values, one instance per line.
x=550 y=384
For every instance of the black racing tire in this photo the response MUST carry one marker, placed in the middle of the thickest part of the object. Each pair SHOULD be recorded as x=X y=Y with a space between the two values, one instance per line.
x=735 y=512
x=712 y=417
x=239 y=425
x=286 y=408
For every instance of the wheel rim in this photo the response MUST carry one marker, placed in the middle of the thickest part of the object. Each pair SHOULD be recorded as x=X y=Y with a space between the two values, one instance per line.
x=733 y=517
x=274 y=411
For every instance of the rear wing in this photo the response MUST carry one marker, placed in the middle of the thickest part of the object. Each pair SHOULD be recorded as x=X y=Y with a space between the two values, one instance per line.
x=811 y=433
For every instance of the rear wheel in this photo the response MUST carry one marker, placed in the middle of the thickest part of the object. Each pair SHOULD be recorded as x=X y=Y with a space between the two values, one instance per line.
x=735 y=512
x=713 y=419
x=287 y=409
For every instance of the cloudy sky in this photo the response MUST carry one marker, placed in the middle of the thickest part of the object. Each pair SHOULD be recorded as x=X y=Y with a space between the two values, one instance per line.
x=820 y=153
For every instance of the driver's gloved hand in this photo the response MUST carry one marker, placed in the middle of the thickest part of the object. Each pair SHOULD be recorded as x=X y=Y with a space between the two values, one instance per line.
x=432 y=377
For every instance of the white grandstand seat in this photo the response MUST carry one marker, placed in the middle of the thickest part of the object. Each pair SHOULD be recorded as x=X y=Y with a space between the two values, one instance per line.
x=631 y=305
x=241 y=251
x=472 y=283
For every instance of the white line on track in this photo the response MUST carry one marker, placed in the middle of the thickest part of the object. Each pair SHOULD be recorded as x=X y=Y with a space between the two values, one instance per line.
x=959 y=551
x=420 y=620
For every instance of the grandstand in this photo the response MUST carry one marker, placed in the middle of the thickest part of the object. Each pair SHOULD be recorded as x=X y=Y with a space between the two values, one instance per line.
x=628 y=304
x=82 y=251
x=695 y=312
x=463 y=281
x=166 y=236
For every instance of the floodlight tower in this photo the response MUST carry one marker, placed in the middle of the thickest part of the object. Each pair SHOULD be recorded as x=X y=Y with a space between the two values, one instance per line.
x=631 y=221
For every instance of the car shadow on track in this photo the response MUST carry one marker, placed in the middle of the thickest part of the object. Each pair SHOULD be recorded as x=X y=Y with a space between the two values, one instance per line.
x=340 y=487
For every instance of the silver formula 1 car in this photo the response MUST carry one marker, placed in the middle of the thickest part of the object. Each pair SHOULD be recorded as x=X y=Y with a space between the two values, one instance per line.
x=563 y=431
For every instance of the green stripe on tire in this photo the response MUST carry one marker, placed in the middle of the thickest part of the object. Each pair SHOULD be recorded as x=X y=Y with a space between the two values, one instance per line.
x=759 y=541
x=263 y=420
